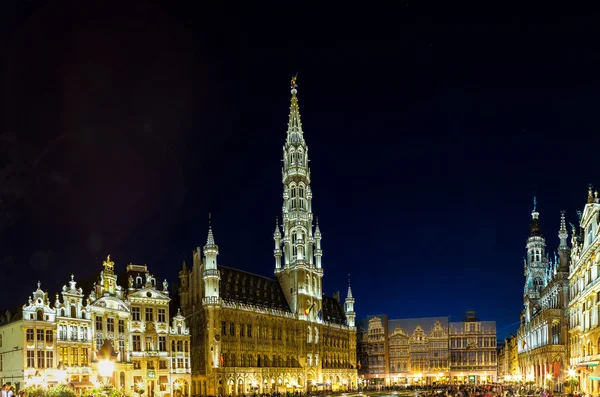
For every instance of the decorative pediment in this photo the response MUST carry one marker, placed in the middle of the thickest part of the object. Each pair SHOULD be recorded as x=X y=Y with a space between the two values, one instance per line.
x=148 y=293
x=111 y=303
x=178 y=325
x=589 y=213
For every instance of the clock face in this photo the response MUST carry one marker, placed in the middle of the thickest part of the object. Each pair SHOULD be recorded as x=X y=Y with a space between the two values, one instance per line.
x=217 y=337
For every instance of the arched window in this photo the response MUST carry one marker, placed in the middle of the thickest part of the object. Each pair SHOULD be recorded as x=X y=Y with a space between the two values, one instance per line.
x=294 y=246
x=309 y=335
x=293 y=197
x=73 y=312
x=40 y=315
x=316 y=335
x=301 y=196
x=300 y=157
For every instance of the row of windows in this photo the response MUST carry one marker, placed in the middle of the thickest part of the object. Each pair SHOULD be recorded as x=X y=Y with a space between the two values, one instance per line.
x=472 y=357
x=73 y=333
x=176 y=346
x=110 y=324
x=45 y=359
x=40 y=334
x=162 y=364
x=480 y=342
x=74 y=356
x=176 y=362
x=149 y=314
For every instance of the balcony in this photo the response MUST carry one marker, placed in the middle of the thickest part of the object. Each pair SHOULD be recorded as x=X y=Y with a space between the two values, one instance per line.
x=211 y=273
x=211 y=300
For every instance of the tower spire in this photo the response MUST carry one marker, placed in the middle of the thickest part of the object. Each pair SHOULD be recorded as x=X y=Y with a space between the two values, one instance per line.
x=210 y=239
x=349 y=289
x=294 y=132
x=534 y=229
x=564 y=252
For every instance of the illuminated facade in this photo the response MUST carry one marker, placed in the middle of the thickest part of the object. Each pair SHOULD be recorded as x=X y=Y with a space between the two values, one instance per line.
x=56 y=343
x=508 y=364
x=542 y=335
x=257 y=334
x=584 y=305
x=473 y=354
x=160 y=352
x=73 y=334
x=426 y=351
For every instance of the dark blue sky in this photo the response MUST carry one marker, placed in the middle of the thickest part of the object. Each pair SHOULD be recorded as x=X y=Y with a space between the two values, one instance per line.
x=430 y=130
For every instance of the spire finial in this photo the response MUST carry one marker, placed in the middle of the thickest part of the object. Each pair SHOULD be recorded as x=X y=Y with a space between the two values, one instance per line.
x=349 y=295
x=293 y=84
x=276 y=221
x=534 y=203
x=209 y=220
x=317 y=221
x=590 y=194
x=294 y=132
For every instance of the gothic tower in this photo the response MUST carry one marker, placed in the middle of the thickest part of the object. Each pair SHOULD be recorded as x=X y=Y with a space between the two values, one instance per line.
x=300 y=274
x=350 y=314
x=536 y=263
x=564 y=252
x=212 y=301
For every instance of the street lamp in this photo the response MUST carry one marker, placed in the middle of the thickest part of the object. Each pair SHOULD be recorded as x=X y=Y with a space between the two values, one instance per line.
x=107 y=356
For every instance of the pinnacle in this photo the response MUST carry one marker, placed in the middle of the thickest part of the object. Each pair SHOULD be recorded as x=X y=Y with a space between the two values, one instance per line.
x=294 y=131
x=210 y=240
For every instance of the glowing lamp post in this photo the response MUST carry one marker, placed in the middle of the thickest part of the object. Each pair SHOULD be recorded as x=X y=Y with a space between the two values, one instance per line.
x=106 y=364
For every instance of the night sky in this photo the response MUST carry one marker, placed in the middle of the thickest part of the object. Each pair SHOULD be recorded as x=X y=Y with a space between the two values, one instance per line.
x=429 y=131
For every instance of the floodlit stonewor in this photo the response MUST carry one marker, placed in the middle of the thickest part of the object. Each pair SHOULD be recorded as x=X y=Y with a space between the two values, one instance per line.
x=119 y=336
x=254 y=334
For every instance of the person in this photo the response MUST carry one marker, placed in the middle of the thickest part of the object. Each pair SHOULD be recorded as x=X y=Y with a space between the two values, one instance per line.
x=6 y=392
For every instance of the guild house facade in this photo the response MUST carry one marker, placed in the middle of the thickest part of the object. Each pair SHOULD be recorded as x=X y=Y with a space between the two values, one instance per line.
x=426 y=351
x=584 y=298
x=49 y=343
x=255 y=334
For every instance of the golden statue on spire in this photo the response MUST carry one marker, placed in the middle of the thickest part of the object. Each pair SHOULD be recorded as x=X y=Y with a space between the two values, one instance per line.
x=108 y=264
x=293 y=82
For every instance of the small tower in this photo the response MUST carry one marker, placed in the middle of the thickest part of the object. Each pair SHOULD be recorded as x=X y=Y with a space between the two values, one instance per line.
x=350 y=314
x=211 y=275
x=564 y=252
x=536 y=262
x=318 y=250
x=184 y=290
x=277 y=250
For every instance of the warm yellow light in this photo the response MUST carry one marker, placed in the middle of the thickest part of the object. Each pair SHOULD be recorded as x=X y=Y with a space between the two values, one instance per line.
x=571 y=373
x=140 y=385
x=106 y=368
x=529 y=378
x=548 y=376
x=508 y=378
x=61 y=375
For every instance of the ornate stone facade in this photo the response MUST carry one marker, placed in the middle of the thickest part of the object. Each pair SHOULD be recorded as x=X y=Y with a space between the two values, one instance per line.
x=584 y=305
x=508 y=364
x=542 y=335
x=56 y=343
x=426 y=351
x=256 y=334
